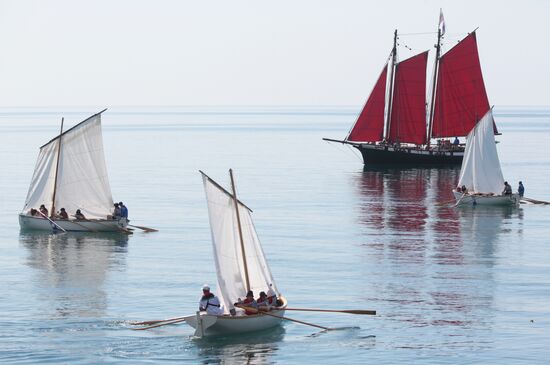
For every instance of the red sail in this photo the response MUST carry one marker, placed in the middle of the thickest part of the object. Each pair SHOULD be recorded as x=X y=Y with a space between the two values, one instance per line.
x=461 y=100
x=408 y=114
x=369 y=127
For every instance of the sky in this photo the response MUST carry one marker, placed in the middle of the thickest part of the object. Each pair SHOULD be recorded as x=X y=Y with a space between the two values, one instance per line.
x=300 y=52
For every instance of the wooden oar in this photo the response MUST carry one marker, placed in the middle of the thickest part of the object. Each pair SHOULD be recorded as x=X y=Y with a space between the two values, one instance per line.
x=52 y=222
x=349 y=311
x=160 y=324
x=254 y=310
x=146 y=229
x=534 y=201
x=83 y=226
x=154 y=321
x=459 y=200
x=120 y=229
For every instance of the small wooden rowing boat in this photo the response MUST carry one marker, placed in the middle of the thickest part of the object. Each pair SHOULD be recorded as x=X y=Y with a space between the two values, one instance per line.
x=481 y=173
x=71 y=173
x=240 y=265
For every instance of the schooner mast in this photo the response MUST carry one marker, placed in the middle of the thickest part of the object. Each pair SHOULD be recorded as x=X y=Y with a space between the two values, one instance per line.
x=432 y=102
x=390 y=95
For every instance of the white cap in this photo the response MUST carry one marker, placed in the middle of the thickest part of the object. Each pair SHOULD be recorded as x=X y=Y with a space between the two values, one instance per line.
x=205 y=287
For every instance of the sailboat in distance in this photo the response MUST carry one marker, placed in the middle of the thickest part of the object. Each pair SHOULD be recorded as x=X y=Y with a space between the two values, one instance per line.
x=481 y=181
x=397 y=125
x=70 y=176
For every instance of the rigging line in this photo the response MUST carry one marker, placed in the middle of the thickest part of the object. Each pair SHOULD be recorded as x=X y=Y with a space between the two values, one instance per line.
x=421 y=33
x=333 y=145
x=355 y=152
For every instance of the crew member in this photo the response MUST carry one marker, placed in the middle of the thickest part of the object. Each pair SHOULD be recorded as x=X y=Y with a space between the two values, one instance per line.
x=209 y=303
x=63 y=214
x=521 y=189
x=79 y=215
x=507 y=189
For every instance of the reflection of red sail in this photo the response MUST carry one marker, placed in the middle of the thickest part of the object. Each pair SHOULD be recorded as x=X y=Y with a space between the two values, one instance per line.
x=407 y=189
x=461 y=99
x=408 y=115
x=372 y=186
x=369 y=127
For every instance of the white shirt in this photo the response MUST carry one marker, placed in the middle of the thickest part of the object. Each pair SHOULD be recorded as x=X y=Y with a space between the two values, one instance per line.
x=211 y=305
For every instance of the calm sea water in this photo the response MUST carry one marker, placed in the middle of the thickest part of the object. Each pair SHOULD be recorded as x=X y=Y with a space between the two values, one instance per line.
x=451 y=286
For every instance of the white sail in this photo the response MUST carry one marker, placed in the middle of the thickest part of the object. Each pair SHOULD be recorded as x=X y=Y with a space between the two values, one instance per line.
x=481 y=172
x=82 y=181
x=227 y=248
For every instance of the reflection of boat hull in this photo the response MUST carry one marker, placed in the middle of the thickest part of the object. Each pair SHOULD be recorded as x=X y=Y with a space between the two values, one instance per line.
x=228 y=325
x=27 y=222
x=496 y=200
x=377 y=154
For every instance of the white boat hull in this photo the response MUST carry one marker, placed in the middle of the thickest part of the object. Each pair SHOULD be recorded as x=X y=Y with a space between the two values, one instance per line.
x=27 y=222
x=496 y=200
x=227 y=325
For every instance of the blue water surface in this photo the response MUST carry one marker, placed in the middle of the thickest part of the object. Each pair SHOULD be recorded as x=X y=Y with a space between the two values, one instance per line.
x=451 y=286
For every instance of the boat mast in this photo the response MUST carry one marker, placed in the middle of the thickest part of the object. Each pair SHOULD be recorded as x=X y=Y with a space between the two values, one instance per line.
x=236 y=201
x=393 y=61
x=52 y=212
x=436 y=69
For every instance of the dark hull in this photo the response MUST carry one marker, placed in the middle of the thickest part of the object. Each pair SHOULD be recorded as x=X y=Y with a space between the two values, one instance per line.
x=386 y=155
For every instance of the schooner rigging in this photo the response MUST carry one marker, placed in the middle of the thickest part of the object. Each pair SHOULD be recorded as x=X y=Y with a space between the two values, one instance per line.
x=397 y=123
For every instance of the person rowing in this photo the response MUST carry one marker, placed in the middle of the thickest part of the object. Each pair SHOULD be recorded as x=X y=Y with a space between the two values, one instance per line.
x=209 y=303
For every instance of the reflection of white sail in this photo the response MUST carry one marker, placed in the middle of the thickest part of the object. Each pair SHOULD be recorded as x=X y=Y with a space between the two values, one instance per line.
x=230 y=265
x=82 y=181
x=73 y=268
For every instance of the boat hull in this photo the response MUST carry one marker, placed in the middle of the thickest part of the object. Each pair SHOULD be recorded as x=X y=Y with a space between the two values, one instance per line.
x=487 y=200
x=27 y=222
x=388 y=155
x=229 y=325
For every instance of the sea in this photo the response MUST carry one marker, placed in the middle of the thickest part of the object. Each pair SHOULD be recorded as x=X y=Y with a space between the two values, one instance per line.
x=451 y=285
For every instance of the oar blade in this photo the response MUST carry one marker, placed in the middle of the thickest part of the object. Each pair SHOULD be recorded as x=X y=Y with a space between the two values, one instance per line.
x=159 y=325
x=360 y=311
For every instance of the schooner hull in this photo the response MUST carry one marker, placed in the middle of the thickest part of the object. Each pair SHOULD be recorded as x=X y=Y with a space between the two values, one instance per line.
x=376 y=154
x=232 y=325
x=27 y=222
x=487 y=200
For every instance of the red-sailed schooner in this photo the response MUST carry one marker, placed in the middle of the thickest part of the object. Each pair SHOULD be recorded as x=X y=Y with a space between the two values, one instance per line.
x=397 y=125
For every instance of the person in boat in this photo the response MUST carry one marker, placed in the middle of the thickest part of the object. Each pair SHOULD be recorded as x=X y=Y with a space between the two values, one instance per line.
x=79 y=216
x=43 y=210
x=507 y=189
x=456 y=143
x=62 y=214
x=209 y=303
x=116 y=211
x=34 y=213
x=521 y=189
x=463 y=189
x=249 y=303
x=263 y=303
x=272 y=297
x=123 y=210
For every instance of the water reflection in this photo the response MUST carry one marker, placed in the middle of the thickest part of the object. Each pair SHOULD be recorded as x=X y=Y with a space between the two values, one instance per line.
x=432 y=262
x=71 y=269
x=255 y=349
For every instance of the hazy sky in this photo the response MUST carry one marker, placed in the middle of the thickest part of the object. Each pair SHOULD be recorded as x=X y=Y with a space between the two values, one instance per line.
x=164 y=52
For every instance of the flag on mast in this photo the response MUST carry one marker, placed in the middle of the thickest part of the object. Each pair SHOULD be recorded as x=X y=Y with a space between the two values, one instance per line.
x=441 y=22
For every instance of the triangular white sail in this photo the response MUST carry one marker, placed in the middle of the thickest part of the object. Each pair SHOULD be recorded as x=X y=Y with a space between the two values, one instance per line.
x=82 y=181
x=227 y=248
x=481 y=172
